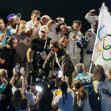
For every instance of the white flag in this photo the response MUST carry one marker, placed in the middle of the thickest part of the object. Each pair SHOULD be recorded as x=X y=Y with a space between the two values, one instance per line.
x=102 y=48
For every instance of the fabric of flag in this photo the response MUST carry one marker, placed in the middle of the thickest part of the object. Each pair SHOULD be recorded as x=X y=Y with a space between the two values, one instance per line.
x=102 y=48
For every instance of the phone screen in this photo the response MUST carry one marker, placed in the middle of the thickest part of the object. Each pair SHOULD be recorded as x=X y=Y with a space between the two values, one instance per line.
x=60 y=74
x=17 y=66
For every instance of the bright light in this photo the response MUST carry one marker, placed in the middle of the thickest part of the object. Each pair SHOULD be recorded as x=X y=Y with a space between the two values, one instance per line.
x=38 y=88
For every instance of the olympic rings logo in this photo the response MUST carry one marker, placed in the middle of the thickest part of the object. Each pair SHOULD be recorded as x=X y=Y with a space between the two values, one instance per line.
x=103 y=38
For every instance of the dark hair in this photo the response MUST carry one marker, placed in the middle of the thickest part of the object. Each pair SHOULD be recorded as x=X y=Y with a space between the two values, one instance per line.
x=99 y=73
x=10 y=40
x=55 y=43
x=57 y=82
x=58 y=28
x=63 y=87
x=24 y=103
x=17 y=97
x=78 y=86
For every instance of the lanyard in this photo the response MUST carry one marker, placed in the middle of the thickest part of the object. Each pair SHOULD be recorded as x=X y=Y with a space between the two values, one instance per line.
x=45 y=43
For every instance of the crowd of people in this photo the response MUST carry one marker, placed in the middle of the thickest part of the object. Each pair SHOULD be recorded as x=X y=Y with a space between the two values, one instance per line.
x=44 y=65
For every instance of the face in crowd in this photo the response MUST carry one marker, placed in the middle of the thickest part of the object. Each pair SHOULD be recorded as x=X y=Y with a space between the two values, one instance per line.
x=63 y=29
x=94 y=26
x=14 y=43
x=2 y=25
x=34 y=16
x=76 y=27
x=52 y=48
x=22 y=28
x=42 y=34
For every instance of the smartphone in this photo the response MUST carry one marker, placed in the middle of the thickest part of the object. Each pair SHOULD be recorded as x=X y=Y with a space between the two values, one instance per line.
x=19 y=15
x=60 y=74
x=73 y=32
x=22 y=70
x=17 y=67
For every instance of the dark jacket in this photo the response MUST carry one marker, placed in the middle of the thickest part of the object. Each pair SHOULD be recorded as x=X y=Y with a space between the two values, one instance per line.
x=64 y=60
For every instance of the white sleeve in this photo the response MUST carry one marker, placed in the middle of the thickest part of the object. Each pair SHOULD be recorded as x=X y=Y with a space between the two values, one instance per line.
x=56 y=101
x=91 y=19
x=36 y=30
x=28 y=26
x=13 y=89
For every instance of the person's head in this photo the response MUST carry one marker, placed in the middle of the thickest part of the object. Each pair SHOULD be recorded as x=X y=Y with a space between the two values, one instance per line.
x=98 y=73
x=12 y=42
x=3 y=73
x=77 y=84
x=79 y=68
x=76 y=26
x=2 y=24
x=17 y=97
x=22 y=27
x=54 y=45
x=24 y=104
x=63 y=87
x=94 y=26
x=57 y=82
x=43 y=32
x=35 y=14
x=62 y=28
x=12 y=18
x=45 y=19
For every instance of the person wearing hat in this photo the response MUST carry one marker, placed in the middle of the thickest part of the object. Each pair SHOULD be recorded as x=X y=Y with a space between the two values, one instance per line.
x=40 y=46
x=13 y=20
x=5 y=32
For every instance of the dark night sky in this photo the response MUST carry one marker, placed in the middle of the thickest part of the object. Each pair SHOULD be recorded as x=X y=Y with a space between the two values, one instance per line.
x=69 y=9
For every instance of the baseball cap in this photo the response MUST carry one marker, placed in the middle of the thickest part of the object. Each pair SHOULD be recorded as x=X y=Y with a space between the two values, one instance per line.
x=44 y=28
x=11 y=17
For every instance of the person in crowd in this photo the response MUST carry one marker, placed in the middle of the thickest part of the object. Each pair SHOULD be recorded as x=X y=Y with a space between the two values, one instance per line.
x=91 y=17
x=62 y=30
x=87 y=82
x=17 y=97
x=65 y=100
x=6 y=102
x=7 y=53
x=81 y=100
x=73 y=45
x=3 y=85
x=24 y=105
x=102 y=86
x=4 y=74
x=40 y=46
x=13 y=21
x=90 y=37
x=22 y=47
x=63 y=60
x=52 y=25
x=33 y=26
x=5 y=32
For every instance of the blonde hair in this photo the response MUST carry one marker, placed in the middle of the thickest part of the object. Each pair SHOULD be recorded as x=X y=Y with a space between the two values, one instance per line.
x=45 y=16
x=23 y=22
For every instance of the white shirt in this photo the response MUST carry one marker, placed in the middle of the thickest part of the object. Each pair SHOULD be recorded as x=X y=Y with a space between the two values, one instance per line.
x=29 y=26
